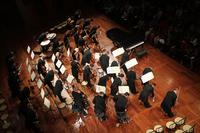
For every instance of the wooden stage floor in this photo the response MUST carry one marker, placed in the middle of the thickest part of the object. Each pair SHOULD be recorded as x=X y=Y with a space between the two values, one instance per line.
x=168 y=74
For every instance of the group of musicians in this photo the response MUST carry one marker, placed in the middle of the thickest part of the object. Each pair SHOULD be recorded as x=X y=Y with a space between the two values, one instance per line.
x=82 y=68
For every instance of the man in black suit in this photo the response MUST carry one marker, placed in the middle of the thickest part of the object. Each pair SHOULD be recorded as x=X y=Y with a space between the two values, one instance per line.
x=58 y=89
x=48 y=78
x=114 y=86
x=168 y=102
x=87 y=74
x=103 y=80
x=120 y=107
x=41 y=67
x=79 y=102
x=104 y=61
x=131 y=77
x=145 y=93
x=75 y=68
x=86 y=57
x=99 y=102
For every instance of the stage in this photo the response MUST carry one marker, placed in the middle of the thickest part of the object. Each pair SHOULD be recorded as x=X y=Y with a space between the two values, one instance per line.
x=168 y=74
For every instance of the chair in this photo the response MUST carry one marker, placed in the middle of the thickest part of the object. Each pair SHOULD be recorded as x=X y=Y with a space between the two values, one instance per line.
x=150 y=131
x=158 y=129
x=188 y=128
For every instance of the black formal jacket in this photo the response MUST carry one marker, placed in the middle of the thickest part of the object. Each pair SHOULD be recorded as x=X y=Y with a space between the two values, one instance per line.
x=169 y=100
x=99 y=103
x=120 y=103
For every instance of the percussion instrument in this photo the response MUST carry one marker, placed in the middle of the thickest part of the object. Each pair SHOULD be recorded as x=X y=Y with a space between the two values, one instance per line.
x=179 y=121
x=188 y=128
x=171 y=125
x=150 y=131
x=179 y=131
x=158 y=129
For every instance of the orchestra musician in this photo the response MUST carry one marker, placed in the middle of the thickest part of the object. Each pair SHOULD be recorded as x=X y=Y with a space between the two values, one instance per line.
x=99 y=102
x=169 y=101
x=148 y=90
x=131 y=77
x=114 y=86
x=41 y=67
x=87 y=74
x=104 y=61
x=75 y=69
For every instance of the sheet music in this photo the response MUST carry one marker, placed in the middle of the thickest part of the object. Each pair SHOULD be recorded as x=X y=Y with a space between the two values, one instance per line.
x=118 y=52
x=53 y=57
x=29 y=68
x=39 y=83
x=28 y=49
x=147 y=77
x=26 y=61
x=62 y=69
x=84 y=83
x=58 y=63
x=68 y=52
x=97 y=56
x=123 y=89
x=70 y=78
x=33 y=76
x=113 y=70
x=64 y=93
x=42 y=93
x=47 y=102
x=131 y=63
x=100 y=88
x=32 y=55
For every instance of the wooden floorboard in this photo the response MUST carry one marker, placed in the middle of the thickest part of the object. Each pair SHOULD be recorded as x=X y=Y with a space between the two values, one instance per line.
x=168 y=74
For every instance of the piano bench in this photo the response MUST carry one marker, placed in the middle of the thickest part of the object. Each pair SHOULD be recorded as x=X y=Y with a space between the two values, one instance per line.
x=141 y=53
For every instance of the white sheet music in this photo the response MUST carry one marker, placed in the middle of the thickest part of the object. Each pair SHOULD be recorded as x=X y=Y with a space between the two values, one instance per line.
x=97 y=56
x=70 y=78
x=47 y=103
x=123 y=89
x=26 y=61
x=32 y=55
x=28 y=49
x=68 y=52
x=147 y=77
x=42 y=93
x=62 y=69
x=64 y=93
x=100 y=88
x=29 y=69
x=131 y=63
x=118 y=52
x=58 y=63
x=39 y=83
x=33 y=76
x=113 y=70
x=53 y=57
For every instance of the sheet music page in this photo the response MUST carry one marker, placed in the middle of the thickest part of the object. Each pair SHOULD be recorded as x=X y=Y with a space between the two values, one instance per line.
x=32 y=55
x=39 y=83
x=70 y=78
x=118 y=52
x=97 y=56
x=147 y=77
x=100 y=88
x=113 y=70
x=64 y=93
x=33 y=76
x=123 y=89
x=42 y=93
x=131 y=63
x=53 y=57
x=47 y=102
x=62 y=69
x=28 y=49
x=58 y=63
